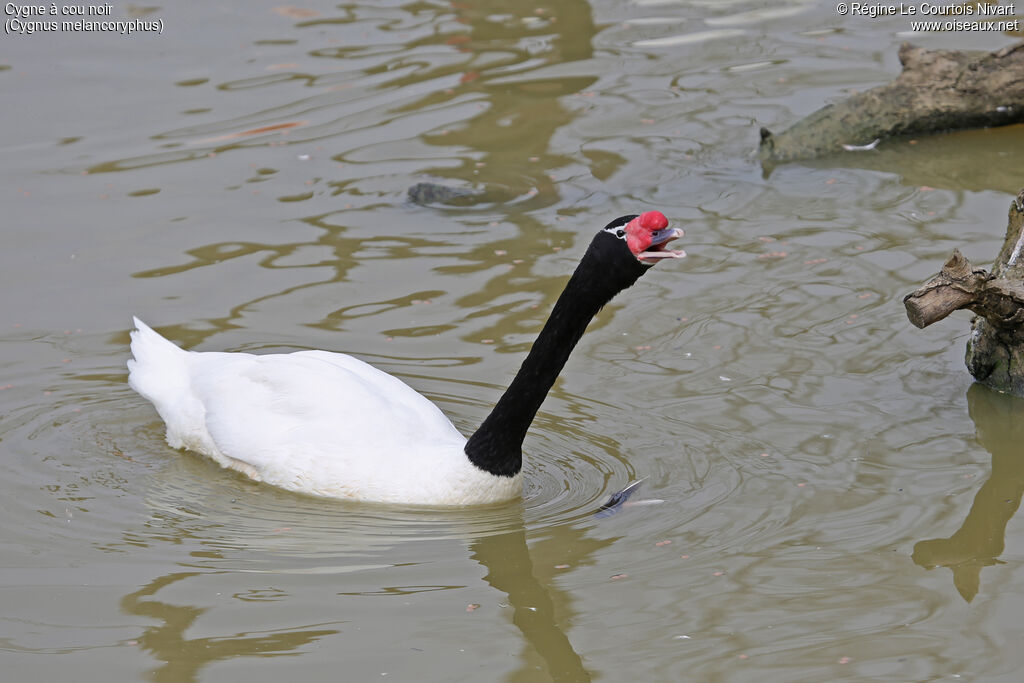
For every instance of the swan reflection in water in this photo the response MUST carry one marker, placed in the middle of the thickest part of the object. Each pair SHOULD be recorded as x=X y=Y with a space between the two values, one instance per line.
x=522 y=576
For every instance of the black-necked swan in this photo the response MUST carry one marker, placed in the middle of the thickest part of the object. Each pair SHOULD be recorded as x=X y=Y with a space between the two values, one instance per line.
x=327 y=424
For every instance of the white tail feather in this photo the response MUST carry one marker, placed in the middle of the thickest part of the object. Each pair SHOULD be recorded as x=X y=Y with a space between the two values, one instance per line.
x=159 y=369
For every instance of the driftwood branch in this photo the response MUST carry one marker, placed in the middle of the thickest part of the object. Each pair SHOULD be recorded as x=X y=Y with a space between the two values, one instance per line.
x=995 y=350
x=938 y=90
x=958 y=285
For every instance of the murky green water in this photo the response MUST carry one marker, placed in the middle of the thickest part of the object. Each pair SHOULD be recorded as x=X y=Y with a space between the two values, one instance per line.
x=838 y=500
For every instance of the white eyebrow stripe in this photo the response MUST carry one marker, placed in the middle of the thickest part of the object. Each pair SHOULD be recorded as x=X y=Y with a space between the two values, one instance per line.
x=619 y=231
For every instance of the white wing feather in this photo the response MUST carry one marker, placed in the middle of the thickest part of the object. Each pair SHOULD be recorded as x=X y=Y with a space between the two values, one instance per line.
x=313 y=421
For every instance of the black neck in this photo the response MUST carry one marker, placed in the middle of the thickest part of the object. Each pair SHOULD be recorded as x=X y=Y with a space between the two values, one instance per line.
x=496 y=446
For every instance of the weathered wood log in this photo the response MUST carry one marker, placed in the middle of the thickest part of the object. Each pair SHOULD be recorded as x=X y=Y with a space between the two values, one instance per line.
x=995 y=349
x=938 y=90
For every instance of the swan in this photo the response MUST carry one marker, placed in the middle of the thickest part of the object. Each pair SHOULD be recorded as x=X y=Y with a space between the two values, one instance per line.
x=327 y=424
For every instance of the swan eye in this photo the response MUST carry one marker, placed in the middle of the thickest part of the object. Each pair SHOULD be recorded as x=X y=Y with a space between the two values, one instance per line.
x=620 y=232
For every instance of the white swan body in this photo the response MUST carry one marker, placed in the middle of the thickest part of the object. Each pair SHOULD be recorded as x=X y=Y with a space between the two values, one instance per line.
x=329 y=425
x=313 y=422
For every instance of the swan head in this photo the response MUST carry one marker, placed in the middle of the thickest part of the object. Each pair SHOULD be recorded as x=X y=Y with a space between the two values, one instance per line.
x=646 y=236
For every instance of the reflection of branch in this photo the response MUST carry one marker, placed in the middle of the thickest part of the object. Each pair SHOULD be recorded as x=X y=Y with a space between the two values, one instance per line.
x=979 y=541
x=510 y=571
x=183 y=658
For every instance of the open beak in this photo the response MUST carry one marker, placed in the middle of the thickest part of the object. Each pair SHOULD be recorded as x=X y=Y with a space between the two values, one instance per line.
x=657 y=251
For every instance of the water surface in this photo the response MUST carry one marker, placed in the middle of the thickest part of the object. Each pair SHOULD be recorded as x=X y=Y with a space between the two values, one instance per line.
x=838 y=499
